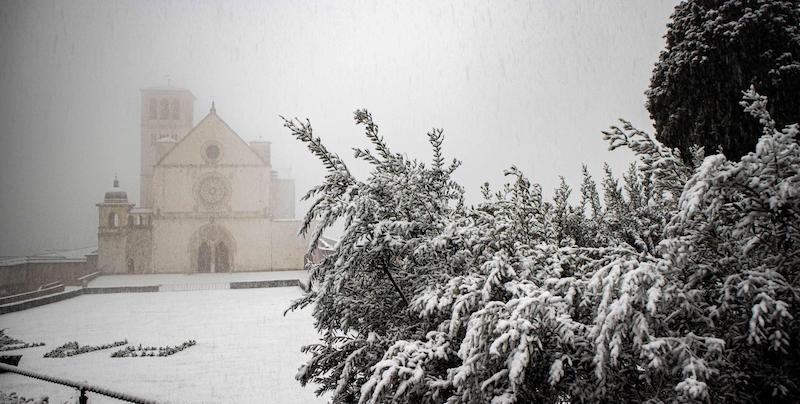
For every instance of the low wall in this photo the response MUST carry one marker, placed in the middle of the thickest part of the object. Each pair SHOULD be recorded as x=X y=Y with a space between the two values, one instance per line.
x=120 y=289
x=29 y=304
x=33 y=294
x=29 y=276
x=84 y=280
x=57 y=297
x=265 y=284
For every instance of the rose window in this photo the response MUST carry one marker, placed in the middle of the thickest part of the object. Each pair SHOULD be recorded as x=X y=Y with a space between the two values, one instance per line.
x=213 y=190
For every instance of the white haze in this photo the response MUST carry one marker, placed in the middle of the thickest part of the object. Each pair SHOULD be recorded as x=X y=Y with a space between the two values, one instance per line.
x=524 y=83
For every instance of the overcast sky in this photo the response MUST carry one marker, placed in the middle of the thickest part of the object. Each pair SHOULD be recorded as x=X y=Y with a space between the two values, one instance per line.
x=528 y=83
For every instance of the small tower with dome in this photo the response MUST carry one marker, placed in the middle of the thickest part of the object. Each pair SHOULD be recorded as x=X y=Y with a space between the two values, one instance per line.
x=111 y=232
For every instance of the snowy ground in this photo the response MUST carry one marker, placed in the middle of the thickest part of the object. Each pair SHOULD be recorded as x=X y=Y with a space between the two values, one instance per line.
x=194 y=278
x=246 y=351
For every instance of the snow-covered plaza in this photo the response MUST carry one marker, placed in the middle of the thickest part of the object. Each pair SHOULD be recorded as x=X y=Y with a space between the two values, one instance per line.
x=247 y=351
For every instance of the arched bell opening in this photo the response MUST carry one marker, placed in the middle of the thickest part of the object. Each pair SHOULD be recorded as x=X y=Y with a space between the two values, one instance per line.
x=113 y=220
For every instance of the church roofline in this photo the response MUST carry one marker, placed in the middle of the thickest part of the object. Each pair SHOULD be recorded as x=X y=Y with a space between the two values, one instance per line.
x=247 y=145
x=211 y=112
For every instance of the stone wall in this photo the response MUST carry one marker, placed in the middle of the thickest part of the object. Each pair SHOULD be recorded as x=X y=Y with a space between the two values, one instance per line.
x=256 y=243
x=139 y=250
x=29 y=276
x=283 y=198
x=287 y=250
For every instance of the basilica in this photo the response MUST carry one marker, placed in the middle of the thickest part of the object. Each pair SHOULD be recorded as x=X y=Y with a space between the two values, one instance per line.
x=209 y=201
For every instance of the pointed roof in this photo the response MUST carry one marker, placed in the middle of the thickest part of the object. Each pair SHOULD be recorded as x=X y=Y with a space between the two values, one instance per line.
x=212 y=128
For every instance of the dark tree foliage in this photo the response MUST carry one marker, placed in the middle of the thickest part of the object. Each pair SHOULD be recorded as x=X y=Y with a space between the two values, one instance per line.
x=716 y=49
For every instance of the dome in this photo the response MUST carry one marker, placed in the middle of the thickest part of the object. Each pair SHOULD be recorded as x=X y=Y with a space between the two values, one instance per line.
x=116 y=194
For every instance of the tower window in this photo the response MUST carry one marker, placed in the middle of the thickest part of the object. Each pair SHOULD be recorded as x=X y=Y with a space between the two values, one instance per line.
x=176 y=110
x=153 y=109
x=164 y=113
x=113 y=220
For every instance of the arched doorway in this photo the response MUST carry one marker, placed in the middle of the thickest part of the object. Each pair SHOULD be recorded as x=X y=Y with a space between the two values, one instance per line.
x=204 y=258
x=221 y=258
x=212 y=248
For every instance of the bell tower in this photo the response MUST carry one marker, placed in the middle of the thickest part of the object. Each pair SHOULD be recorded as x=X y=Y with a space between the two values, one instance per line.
x=167 y=112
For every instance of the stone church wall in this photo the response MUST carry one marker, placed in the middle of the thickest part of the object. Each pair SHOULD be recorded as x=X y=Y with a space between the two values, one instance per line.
x=287 y=250
x=177 y=189
x=171 y=249
x=283 y=198
x=139 y=250
x=257 y=244
x=176 y=242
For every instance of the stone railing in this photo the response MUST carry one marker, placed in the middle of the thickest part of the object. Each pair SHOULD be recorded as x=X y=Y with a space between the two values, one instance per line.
x=82 y=387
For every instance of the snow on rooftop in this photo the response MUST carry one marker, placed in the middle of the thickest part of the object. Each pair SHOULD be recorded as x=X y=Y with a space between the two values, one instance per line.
x=246 y=352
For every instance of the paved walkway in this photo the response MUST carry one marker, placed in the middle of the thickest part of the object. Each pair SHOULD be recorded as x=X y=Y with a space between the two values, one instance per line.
x=194 y=278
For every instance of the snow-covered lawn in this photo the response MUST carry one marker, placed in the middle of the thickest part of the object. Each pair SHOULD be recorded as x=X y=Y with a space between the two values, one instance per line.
x=194 y=278
x=246 y=352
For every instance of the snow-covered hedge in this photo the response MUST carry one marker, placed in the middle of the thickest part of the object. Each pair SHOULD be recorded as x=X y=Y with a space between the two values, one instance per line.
x=13 y=398
x=74 y=348
x=678 y=283
x=8 y=343
x=151 y=351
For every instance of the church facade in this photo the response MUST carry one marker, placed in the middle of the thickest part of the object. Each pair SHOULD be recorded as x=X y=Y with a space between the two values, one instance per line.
x=209 y=201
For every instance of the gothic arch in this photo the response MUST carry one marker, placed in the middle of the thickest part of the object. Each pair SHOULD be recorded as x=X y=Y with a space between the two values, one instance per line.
x=217 y=247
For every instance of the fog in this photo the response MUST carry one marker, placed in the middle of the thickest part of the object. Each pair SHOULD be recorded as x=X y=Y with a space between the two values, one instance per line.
x=526 y=83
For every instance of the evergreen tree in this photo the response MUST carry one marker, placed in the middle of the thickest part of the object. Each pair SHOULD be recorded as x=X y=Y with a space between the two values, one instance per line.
x=681 y=287
x=715 y=50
